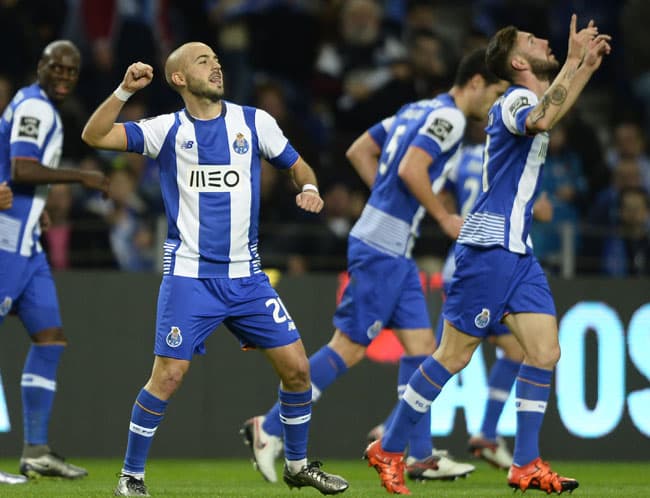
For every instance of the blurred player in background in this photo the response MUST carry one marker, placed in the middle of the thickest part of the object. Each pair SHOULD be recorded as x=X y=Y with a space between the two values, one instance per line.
x=6 y=201
x=209 y=155
x=497 y=277
x=31 y=140
x=399 y=159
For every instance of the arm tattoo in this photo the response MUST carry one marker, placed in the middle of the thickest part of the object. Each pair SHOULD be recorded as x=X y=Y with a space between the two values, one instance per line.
x=571 y=73
x=540 y=110
x=556 y=96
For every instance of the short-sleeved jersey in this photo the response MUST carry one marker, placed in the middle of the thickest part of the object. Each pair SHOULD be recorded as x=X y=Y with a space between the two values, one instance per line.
x=30 y=128
x=464 y=182
x=210 y=182
x=465 y=176
x=513 y=162
x=391 y=218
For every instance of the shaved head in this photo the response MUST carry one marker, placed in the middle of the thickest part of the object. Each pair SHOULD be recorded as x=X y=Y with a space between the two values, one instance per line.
x=178 y=59
x=58 y=69
x=60 y=46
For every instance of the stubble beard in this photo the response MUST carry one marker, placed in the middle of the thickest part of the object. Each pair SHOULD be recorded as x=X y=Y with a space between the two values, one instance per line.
x=198 y=89
x=545 y=70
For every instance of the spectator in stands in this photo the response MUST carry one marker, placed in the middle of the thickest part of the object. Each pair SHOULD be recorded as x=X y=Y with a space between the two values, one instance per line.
x=564 y=182
x=73 y=237
x=636 y=40
x=6 y=91
x=423 y=73
x=629 y=144
x=627 y=253
x=603 y=215
x=130 y=235
x=356 y=64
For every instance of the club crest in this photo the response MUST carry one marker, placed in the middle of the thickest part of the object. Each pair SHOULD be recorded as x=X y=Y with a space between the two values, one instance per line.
x=5 y=306
x=174 y=338
x=240 y=145
x=374 y=329
x=482 y=319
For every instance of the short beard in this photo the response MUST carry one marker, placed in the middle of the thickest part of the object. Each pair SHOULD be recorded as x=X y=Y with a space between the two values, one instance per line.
x=200 y=91
x=545 y=70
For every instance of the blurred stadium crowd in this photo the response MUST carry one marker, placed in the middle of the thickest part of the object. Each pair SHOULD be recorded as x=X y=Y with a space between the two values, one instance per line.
x=327 y=70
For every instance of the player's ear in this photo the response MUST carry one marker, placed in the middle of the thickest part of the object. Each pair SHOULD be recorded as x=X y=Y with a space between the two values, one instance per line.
x=477 y=81
x=178 y=79
x=519 y=63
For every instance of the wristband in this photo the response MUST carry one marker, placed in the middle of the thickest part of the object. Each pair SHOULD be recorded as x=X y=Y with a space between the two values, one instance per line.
x=309 y=186
x=122 y=94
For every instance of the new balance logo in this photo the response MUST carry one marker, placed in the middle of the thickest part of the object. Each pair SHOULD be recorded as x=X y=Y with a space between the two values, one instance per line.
x=188 y=144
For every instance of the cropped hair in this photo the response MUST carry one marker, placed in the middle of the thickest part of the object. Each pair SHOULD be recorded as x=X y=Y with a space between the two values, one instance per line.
x=472 y=64
x=498 y=52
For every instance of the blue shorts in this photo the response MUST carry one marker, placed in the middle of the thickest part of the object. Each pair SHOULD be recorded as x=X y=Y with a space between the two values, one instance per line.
x=190 y=309
x=490 y=283
x=494 y=329
x=27 y=288
x=383 y=291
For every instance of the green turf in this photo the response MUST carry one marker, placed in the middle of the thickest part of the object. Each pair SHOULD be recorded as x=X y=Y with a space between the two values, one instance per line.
x=236 y=478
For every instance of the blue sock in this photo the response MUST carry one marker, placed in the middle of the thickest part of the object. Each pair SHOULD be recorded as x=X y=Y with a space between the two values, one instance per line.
x=326 y=366
x=533 y=388
x=502 y=376
x=391 y=415
x=424 y=386
x=38 y=386
x=420 y=445
x=148 y=411
x=295 y=413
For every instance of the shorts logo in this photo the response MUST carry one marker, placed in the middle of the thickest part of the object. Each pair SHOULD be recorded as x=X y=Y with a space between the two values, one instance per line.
x=174 y=338
x=240 y=145
x=482 y=319
x=28 y=127
x=374 y=329
x=5 y=306
x=188 y=144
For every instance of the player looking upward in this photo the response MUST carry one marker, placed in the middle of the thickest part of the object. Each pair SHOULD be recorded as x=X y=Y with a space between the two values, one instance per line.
x=497 y=277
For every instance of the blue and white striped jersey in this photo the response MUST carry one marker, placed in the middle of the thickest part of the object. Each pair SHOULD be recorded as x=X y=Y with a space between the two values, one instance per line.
x=512 y=168
x=465 y=176
x=390 y=220
x=464 y=181
x=210 y=181
x=30 y=128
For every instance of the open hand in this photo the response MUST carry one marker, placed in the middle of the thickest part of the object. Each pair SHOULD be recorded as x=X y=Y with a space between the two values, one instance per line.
x=597 y=49
x=579 y=40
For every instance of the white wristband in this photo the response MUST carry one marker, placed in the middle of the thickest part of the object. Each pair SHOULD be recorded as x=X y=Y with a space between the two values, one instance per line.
x=309 y=186
x=122 y=94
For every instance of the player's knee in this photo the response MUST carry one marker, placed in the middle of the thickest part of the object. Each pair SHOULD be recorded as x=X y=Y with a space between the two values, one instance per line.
x=296 y=378
x=545 y=357
x=168 y=379
x=351 y=352
x=453 y=362
x=52 y=335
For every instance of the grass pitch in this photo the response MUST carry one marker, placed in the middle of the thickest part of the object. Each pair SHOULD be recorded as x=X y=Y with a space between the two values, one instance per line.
x=236 y=478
